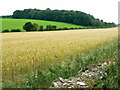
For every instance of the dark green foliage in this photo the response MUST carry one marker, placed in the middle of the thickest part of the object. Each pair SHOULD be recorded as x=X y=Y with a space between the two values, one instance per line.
x=7 y=16
x=54 y=27
x=36 y=26
x=51 y=27
x=31 y=27
x=48 y=27
x=28 y=26
x=59 y=29
x=41 y=28
x=71 y=28
x=65 y=28
x=5 y=31
x=68 y=16
x=15 y=30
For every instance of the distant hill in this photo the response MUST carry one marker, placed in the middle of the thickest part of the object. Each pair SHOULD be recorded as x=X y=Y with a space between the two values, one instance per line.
x=18 y=24
x=68 y=16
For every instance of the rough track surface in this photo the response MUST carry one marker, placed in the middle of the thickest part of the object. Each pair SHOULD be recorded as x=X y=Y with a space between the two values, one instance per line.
x=85 y=79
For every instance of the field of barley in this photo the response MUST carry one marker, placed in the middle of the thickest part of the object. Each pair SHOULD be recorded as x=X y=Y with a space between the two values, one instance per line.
x=26 y=52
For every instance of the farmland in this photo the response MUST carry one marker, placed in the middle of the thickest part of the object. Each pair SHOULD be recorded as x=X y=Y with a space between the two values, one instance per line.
x=18 y=23
x=26 y=52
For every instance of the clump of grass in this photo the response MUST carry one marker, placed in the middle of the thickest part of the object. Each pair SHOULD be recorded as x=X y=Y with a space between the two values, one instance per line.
x=111 y=79
x=6 y=30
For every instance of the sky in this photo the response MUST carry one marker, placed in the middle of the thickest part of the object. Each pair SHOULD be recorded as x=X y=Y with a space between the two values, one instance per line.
x=106 y=10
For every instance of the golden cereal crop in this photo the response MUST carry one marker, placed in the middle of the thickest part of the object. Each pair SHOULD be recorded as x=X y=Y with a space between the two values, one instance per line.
x=25 y=52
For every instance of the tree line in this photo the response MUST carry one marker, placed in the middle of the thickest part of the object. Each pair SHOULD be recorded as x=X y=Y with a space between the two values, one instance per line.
x=68 y=16
x=28 y=26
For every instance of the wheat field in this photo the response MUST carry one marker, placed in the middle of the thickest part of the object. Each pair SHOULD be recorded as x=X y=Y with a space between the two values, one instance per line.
x=25 y=52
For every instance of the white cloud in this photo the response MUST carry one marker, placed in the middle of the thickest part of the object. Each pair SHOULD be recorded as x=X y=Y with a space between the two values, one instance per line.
x=102 y=9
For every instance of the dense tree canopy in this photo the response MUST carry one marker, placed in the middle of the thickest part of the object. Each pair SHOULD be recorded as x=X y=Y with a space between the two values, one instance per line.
x=28 y=26
x=74 y=17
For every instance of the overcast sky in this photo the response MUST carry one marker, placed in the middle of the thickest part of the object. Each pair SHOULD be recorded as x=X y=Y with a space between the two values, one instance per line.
x=107 y=10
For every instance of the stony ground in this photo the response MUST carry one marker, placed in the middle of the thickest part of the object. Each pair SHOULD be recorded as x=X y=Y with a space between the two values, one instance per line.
x=86 y=78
